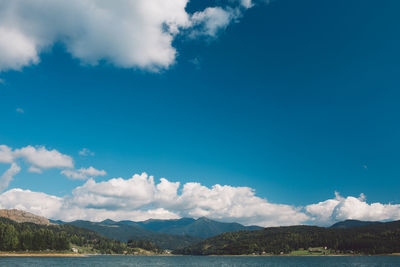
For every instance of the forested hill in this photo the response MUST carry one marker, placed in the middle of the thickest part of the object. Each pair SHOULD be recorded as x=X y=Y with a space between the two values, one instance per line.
x=370 y=239
x=166 y=234
x=34 y=237
x=352 y=223
x=124 y=232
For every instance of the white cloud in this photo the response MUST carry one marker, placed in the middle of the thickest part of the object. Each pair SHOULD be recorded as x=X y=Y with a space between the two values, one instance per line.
x=35 y=202
x=20 y=110
x=340 y=208
x=59 y=208
x=6 y=178
x=139 y=198
x=86 y=152
x=130 y=33
x=239 y=204
x=83 y=174
x=117 y=193
x=127 y=33
x=212 y=20
x=16 y=49
x=42 y=158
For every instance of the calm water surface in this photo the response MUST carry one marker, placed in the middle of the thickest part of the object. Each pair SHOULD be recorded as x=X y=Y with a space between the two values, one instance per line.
x=202 y=261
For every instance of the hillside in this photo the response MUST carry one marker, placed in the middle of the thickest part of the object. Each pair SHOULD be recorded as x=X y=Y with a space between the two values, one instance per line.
x=370 y=239
x=23 y=216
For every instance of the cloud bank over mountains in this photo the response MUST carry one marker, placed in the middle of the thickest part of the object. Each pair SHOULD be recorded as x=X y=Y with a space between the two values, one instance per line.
x=141 y=197
x=127 y=33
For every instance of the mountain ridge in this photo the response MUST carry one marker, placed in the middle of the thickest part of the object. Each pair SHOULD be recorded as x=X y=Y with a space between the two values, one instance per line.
x=352 y=223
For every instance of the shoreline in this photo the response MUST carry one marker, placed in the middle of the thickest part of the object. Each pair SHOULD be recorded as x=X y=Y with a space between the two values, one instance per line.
x=39 y=254
x=77 y=255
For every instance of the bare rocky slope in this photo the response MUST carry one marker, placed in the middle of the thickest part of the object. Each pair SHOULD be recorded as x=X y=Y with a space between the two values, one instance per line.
x=23 y=216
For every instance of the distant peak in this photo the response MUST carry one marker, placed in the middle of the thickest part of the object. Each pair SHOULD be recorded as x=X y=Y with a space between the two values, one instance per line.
x=108 y=221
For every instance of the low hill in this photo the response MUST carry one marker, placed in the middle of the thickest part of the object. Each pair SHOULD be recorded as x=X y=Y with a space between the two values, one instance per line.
x=352 y=223
x=23 y=216
x=370 y=239
x=202 y=227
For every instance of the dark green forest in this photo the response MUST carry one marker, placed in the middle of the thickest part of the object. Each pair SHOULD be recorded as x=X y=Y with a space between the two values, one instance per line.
x=144 y=244
x=33 y=237
x=379 y=238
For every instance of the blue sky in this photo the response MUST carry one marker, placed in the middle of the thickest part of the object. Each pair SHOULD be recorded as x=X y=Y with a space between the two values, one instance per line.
x=294 y=99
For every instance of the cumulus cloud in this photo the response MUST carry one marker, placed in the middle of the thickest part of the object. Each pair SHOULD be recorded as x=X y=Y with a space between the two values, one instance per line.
x=235 y=204
x=343 y=208
x=127 y=34
x=40 y=157
x=82 y=173
x=139 y=198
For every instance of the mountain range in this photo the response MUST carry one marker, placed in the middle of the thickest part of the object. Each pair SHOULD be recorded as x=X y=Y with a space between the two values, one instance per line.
x=166 y=234
x=204 y=236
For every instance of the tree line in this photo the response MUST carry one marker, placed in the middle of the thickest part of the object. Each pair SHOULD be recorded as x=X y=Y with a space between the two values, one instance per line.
x=372 y=239
x=33 y=237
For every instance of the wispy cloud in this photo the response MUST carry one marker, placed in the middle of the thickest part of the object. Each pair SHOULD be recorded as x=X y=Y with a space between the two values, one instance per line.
x=20 y=110
x=6 y=178
x=40 y=158
x=86 y=152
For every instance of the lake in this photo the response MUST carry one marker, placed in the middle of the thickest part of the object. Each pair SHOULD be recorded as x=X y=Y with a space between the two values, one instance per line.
x=362 y=261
